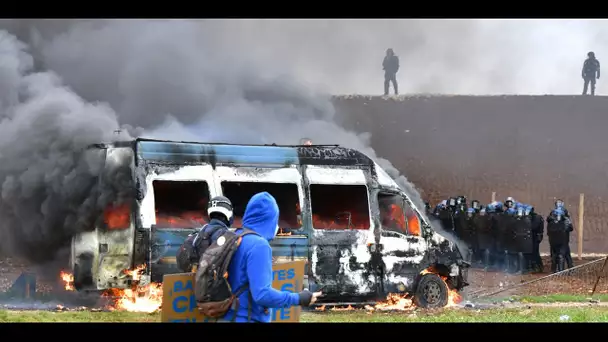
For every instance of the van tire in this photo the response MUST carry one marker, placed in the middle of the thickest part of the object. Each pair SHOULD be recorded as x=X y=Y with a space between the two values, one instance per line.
x=432 y=292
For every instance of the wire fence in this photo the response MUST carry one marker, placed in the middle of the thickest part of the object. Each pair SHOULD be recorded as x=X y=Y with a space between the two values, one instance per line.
x=576 y=281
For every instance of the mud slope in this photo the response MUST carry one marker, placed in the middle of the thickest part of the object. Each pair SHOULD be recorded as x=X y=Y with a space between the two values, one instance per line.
x=534 y=148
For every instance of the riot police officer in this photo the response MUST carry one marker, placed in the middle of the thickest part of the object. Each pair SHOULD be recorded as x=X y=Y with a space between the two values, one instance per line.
x=538 y=227
x=469 y=233
x=517 y=236
x=557 y=230
x=524 y=237
x=567 y=253
x=492 y=241
x=486 y=239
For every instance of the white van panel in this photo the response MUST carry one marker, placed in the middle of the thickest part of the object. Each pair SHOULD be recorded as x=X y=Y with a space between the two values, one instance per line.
x=256 y=174
x=327 y=175
x=186 y=173
x=383 y=178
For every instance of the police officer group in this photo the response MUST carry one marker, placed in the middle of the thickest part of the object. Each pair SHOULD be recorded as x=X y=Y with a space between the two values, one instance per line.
x=506 y=236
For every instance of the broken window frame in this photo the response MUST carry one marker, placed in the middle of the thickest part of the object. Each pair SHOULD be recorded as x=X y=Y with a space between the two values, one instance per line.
x=400 y=203
x=206 y=193
x=405 y=206
x=298 y=216
x=368 y=224
x=408 y=206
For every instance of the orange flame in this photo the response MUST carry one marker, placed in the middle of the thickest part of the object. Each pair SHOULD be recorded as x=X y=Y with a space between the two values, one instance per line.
x=146 y=298
x=394 y=302
x=68 y=280
x=139 y=299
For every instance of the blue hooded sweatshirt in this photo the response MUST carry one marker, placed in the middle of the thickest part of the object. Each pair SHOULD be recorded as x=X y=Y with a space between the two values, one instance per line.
x=252 y=262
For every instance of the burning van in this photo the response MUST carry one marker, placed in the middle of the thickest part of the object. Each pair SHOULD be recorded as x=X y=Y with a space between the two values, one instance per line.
x=361 y=235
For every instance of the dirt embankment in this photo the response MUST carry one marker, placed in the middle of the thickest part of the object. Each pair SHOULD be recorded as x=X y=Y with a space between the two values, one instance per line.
x=534 y=148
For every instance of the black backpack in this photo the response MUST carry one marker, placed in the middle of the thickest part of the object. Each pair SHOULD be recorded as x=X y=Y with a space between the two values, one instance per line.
x=213 y=293
x=190 y=251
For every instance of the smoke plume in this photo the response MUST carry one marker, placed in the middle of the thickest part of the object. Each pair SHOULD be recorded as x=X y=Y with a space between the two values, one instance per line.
x=180 y=80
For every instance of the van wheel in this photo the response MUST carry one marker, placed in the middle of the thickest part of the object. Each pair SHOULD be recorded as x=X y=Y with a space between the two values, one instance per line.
x=431 y=292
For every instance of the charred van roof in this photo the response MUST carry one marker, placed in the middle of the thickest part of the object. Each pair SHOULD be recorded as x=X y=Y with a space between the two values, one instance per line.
x=166 y=151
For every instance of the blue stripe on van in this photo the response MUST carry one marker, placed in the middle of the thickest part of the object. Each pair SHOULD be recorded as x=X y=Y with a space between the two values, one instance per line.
x=168 y=241
x=204 y=153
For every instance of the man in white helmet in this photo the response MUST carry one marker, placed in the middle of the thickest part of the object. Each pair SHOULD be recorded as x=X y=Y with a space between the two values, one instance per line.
x=221 y=217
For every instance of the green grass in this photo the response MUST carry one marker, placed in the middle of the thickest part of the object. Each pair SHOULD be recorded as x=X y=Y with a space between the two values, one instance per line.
x=580 y=314
x=585 y=314
x=76 y=316
x=556 y=298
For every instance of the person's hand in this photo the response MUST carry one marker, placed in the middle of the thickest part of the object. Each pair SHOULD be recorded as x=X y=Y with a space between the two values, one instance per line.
x=315 y=295
x=307 y=297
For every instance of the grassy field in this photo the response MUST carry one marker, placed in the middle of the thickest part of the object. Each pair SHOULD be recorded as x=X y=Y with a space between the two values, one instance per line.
x=534 y=314
x=556 y=298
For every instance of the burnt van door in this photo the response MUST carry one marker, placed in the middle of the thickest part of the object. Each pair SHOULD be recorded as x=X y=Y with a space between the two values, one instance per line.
x=340 y=257
x=284 y=183
x=403 y=245
x=116 y=233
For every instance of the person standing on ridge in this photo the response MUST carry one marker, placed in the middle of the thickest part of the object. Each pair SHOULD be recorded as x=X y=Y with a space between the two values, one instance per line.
x=591 y=71
x=390 y=65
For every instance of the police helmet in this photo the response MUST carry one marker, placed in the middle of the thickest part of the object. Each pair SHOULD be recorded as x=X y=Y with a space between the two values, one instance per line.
x=509 y=202
x=475 y=204
x=221 y=205
x=452 y=202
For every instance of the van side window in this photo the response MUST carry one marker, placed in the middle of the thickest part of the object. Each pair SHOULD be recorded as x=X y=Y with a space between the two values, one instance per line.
x=339 y=206
x=392 y=213
x=286 y=195
x=179 y=203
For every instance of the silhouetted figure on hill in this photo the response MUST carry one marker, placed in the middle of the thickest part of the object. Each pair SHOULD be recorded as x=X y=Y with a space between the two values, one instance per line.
x=591 y=71
x=390 y=65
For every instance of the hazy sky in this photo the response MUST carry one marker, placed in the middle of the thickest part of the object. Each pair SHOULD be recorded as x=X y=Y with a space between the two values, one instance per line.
x=437 y=56
x=468 y=56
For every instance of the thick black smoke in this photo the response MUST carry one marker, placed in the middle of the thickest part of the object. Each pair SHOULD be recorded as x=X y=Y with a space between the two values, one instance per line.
x=180 y=80
x=48 y=182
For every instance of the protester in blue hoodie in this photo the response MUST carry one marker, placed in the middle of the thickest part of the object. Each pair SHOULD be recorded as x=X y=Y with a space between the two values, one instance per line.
x=252 y=264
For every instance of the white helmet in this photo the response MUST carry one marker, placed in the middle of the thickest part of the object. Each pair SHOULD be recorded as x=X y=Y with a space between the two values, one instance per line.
x=221 y=205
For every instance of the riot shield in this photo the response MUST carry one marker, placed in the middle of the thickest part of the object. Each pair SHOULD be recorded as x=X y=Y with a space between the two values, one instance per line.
x=446 y=219
x=484 y=232
x=469 y=233
x=556 y=231
x=522 y=234
x=460 y=225
x=505 y=234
